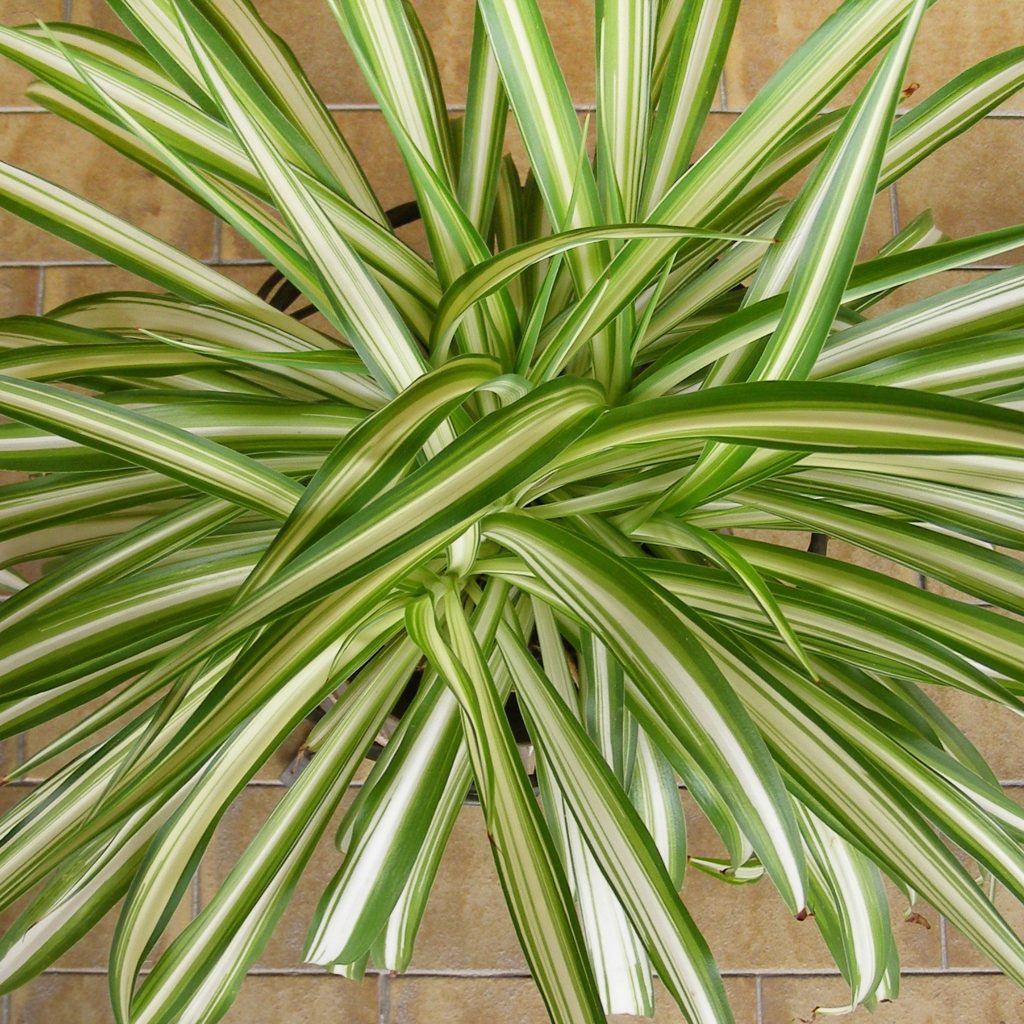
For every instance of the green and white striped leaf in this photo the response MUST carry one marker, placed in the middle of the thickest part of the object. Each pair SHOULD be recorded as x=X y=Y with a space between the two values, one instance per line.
x=534 y=885
x=620 y=843
x=146 y=442
x=499 y=456
x=694 y=48
x=682 y=694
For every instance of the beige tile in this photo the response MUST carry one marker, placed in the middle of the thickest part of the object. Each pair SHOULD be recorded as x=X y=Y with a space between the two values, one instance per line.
x=917 y=930
x=954 y=37
x=47 y=146
x=62 y=284
x=305 y=1000
x=238 y=826
x=924 y=999
x=234 y=247
x=768 y=31
x=19 y=289
x=84 y=999
x=320 y=47
x=368 y=134
x=466 y=924
x=51 y=997
x=12 y=793
x=252 y=275
x=749 y=927
x=797 y=539
x=465 y=1000
x=449 y=27
x=324 y=54
x=741 y=992
x=571 y=26
x=13 y=80
x=498 y=1000
x=997 y=732
x=988 y=157
x=97 y=14
x=313 y=35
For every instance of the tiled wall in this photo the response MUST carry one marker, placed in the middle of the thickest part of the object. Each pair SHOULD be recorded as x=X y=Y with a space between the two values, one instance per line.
x=468 y=966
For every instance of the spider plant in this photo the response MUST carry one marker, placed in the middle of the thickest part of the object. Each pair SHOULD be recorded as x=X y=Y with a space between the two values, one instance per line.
x=531 y=472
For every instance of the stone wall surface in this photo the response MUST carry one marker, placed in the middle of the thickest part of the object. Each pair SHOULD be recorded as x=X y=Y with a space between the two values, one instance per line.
x=468 y=967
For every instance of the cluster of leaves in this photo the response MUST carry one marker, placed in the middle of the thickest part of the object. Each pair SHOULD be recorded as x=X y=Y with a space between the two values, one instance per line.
x=526 y=466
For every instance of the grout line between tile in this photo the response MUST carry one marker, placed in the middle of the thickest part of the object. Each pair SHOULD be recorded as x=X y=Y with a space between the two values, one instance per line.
x=995 y=115
x=218 y=234
x=254 y=261
x=31 y=781
x=354 y=106
x=67 y=10
x=824 y=972
x=481 y=972
x=894 y=209
x=374 y=108
x=383 y=977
